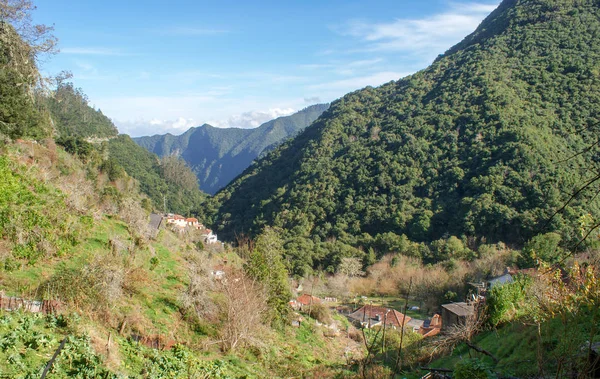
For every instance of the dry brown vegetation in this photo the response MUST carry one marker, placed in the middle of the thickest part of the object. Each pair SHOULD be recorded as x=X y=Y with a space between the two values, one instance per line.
x=243 y=311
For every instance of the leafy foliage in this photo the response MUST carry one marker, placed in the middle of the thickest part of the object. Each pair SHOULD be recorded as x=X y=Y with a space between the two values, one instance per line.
x=541 y=248
x=19 y=116
x=218 y=155
x=473 y=369
x=73 y=116
x=30 y=217
x=506 y=302
x=265 y=264
x=482 y=143
x=170 y=177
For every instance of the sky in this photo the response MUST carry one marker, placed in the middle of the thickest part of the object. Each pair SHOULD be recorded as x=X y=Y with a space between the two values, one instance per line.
x=158 y=67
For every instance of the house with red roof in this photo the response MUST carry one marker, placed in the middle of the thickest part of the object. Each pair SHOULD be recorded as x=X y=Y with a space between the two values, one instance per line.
x=370 y=316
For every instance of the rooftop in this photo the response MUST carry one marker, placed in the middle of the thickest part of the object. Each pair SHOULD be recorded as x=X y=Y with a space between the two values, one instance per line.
x=460 y=309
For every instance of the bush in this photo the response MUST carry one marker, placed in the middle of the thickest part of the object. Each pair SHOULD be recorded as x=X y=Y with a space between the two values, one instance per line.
x=505 y=302
x=473 y=369
x=541 y=248
x=320 y=313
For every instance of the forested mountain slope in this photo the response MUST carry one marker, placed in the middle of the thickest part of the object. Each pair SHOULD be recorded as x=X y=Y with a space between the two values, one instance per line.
x=218 y=155
x=483 y=143
x=72 y=115
x=167 y=182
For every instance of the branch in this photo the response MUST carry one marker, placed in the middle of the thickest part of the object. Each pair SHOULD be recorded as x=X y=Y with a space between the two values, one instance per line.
x=573 y=196
x=482 y=351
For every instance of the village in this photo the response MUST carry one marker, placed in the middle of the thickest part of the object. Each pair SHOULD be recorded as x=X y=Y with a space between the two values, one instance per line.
x=373 y=313
x=361 y=311
x=178 y=223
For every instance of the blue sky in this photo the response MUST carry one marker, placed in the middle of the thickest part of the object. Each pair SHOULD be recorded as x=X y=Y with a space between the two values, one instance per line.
x=164 y=66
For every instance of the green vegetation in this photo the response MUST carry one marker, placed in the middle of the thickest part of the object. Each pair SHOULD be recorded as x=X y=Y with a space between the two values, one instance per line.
x=30 y=217
x=167 y=181
x=482 y=145
x=218 y=155
x=73 y=116
x=19 y=115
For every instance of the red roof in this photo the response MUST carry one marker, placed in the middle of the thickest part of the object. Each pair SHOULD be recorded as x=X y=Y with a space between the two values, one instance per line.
x=306 y=299
x=370 y=313
x=434 y=327
x=191 y=219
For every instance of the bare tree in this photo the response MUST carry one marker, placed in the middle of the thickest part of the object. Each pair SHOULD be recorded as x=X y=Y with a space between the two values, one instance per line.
x=350 y=267
x=38 y=36
x=244 y=311
x=198 y=293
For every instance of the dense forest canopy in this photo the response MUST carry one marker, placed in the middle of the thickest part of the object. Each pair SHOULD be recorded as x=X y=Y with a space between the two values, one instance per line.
x=218 y=155
x=73 y=116
x=486 y=144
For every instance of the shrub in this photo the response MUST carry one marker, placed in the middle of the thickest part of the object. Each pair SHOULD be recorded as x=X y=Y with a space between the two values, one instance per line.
x=320 y=313
x=472 y=369
x=504 y=302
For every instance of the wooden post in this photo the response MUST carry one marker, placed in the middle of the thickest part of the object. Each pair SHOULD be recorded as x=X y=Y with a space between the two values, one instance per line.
x=108 y=345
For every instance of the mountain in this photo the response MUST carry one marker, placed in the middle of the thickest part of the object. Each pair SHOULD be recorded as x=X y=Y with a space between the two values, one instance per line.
x=485 y=144
x=72 y=115
x=218 y=155
x=165 y=181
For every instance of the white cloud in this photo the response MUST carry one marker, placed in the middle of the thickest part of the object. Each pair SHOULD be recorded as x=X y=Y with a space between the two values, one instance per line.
x=91 y=51
x=312 y=100
x=427 y=36
x=351 y=84
x=143 y=127
x=252 y=119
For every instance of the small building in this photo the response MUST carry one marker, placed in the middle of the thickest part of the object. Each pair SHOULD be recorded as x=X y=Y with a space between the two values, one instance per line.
x=155 y=224
x=208 y=236
x=431 y=327
x=415 y=324
x=176 y=220
x=307 y=300
x=456 y=313
x=499 y=280
x=370 y=316
x=192 y=222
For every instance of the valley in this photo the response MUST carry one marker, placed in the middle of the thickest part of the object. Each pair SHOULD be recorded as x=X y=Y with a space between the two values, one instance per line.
x=440 y=225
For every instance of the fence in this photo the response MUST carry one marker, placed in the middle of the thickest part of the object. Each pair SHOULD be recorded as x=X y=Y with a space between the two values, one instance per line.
x=11 y=303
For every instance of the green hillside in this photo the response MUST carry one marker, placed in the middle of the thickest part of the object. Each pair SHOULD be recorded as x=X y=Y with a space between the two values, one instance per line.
x=218 y=155
x=73 y=116
x=485 y=143
x=166 y=182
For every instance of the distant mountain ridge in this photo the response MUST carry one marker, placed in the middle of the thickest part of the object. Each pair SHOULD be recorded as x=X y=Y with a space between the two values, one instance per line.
x=218 y=155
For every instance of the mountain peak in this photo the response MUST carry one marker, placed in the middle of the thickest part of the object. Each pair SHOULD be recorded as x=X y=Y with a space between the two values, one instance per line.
x=465 y=147
x=217 y=155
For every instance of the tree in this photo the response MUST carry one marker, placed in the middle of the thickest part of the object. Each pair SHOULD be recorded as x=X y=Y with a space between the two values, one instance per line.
x=176 y=171
x=350 y=267
x=243 y=311
x=38 y=36
x=265 y=264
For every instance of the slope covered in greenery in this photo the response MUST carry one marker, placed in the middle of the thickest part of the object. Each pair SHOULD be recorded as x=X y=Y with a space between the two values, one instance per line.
x=73 y=116
x=218 y=155
x=483 y=143
x=166 y=182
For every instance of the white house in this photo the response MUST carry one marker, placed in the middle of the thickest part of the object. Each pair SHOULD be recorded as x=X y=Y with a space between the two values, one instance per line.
x=176 y=220
x=209 y=237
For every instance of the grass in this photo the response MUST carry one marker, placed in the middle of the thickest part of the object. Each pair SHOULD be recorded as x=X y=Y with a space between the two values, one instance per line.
x=515 y=345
